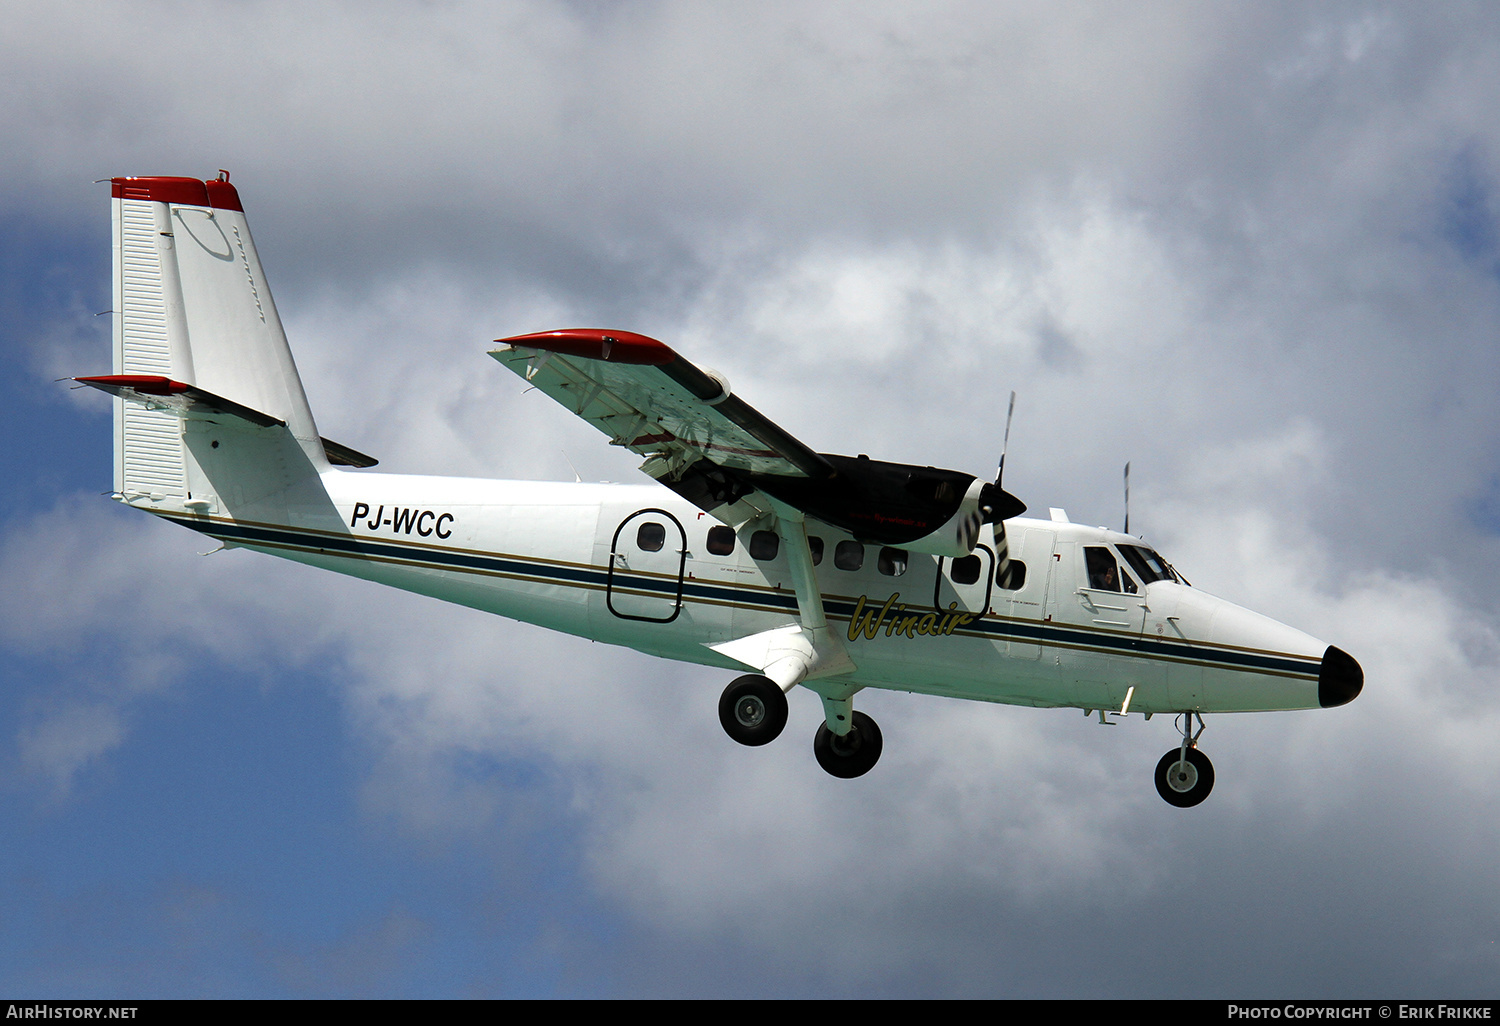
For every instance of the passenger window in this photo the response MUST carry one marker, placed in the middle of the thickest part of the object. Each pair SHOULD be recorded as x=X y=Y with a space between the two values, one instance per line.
x=1104 y=573
x=966 y=570
x=651 y=537
x=1017 y=579
x=721 y=540
x=892 y=562
x=764 y=545
x=849 y=555
x=816 y=544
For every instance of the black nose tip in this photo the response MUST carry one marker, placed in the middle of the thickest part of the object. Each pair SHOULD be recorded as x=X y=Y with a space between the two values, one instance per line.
x=1340 y=680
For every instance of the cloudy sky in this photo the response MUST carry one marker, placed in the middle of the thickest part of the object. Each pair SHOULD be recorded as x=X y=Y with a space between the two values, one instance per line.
x=1252 y=248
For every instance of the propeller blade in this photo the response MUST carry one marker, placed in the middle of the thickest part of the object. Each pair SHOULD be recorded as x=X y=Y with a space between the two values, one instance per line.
x=1009 y=413
x=1002 y=555
x=999 y=508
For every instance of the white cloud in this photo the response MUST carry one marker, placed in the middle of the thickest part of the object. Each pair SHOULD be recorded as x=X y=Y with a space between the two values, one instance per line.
x=58 y=747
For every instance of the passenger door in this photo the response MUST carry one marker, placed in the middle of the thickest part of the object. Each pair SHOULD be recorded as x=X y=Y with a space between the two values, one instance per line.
x=646 y=561
x=965 y=583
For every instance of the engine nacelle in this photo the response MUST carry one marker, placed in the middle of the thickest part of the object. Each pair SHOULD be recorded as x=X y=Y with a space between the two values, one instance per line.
x=956 y=536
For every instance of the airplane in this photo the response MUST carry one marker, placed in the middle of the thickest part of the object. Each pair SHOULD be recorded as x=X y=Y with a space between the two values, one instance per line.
x=748 y=551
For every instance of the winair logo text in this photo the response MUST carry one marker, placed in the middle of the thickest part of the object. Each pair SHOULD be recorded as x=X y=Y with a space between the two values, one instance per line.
x=402 y=520
x=899 y=623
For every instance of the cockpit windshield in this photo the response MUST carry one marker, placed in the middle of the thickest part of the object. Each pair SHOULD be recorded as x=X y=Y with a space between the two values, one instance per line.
x=1147 y=564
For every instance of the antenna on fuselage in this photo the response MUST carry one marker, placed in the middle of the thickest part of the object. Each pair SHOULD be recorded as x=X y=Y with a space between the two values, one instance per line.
x=1127 y=498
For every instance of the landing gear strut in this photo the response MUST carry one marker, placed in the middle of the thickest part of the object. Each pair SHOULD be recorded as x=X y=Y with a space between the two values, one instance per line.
x=851 y=755
x=753 y=710
x=1184 y=776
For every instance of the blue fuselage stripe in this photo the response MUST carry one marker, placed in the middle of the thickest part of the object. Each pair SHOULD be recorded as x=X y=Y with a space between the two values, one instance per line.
x=998 y=629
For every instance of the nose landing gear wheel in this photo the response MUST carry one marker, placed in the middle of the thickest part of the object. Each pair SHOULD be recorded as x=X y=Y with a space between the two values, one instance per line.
x=753 y=710
x=1184 y=782
x=853 y=754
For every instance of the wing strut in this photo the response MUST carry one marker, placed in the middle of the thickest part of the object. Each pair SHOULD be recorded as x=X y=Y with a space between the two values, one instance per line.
x=806 y=650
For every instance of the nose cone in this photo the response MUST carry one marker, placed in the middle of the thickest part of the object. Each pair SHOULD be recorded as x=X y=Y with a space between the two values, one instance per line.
x=1340 y=679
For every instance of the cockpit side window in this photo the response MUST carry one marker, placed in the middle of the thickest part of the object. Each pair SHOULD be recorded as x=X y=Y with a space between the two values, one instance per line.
x=1104 y=572
x=1147 y=564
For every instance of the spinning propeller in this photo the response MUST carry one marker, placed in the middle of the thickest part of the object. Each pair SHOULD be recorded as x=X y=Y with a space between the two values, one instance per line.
x=998 y=505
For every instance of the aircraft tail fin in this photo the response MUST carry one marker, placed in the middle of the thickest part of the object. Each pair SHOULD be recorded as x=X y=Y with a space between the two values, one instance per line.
x=199 y=351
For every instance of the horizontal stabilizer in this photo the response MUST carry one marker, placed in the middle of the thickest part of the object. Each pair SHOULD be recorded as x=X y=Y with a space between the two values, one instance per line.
x=161 y=393
x=343 y=456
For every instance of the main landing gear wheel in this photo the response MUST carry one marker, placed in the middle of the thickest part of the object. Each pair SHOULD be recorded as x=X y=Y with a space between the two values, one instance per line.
x=853 y=754
x=753 y=710
x=1184 y=782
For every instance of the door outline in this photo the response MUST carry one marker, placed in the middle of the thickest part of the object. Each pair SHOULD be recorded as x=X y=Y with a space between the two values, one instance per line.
x=616 y=559
x=966 y=592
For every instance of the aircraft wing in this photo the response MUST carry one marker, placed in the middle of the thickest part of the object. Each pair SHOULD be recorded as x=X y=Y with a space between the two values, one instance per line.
x=714 y=449
x=648 y=399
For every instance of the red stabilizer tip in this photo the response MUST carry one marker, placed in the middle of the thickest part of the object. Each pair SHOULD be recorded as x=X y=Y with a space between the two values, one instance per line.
x=190 y=192
x=145 y=384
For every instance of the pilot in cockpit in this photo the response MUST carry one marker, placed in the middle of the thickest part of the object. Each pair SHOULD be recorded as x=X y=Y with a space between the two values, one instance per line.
x=1103 y=575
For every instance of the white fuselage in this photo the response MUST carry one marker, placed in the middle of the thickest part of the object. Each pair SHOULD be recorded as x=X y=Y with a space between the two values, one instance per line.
x=631 y=565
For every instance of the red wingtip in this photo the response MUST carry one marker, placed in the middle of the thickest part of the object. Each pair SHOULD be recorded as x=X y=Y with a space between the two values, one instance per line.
x=597 y=344
x=190 y=192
